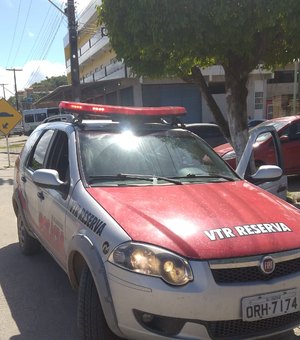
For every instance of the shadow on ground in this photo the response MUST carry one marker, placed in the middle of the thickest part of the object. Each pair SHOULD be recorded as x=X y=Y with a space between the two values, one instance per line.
x=39 y=296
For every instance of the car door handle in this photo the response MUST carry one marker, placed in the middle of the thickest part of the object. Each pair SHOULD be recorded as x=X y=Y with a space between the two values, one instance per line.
x=40 y=195
x=23 y=179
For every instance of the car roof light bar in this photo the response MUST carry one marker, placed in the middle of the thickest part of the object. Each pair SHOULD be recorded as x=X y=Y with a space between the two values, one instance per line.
x=129 y=111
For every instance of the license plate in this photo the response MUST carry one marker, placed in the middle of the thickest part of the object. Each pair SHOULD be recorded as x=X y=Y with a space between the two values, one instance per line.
x=269 y=305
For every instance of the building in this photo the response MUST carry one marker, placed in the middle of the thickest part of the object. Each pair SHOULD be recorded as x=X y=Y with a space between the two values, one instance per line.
x=106 y=80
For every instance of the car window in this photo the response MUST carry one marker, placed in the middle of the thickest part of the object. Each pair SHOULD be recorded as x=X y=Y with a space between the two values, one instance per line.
x=294 y=131
x=211 y=134
x=284 y=132
x=58 y=157
x=36 y=161
x=164 y=153
x=25 y=153
x=29 y=118
x=278 y=125
x=40 y=117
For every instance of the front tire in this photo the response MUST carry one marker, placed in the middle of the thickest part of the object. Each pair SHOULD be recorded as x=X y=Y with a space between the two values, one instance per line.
x=28 y=244
x=91 y=320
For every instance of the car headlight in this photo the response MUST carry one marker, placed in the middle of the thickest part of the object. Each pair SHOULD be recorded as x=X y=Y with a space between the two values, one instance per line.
x=229 y=155
x=153 y=261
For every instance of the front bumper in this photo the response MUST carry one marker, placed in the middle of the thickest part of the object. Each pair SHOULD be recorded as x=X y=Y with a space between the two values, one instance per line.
x=147 y=308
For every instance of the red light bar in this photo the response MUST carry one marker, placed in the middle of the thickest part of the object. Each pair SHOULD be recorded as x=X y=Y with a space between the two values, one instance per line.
x=108 y=110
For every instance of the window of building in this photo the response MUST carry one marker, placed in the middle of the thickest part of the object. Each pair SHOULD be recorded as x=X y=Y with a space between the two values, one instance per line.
x=282 y=77
x=259 y=100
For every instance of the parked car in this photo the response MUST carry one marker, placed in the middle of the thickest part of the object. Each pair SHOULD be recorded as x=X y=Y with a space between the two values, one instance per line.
x=247 y=170
x=17 y=130
x=210 y=132
x=288 y=129
x=160 y=236
x=255 y=122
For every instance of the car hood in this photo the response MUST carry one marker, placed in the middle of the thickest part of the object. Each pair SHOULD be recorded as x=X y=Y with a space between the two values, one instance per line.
x=223 y=149
x=204 y=221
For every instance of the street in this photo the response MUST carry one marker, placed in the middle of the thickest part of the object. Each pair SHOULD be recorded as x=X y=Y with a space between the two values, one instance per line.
x=36 y=299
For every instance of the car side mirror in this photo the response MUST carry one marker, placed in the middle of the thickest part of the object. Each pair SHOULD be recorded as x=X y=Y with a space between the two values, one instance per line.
x=267 y=173
x=47 y=178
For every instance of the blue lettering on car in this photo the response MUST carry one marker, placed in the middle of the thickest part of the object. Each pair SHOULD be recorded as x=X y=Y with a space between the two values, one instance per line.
x=87 y=218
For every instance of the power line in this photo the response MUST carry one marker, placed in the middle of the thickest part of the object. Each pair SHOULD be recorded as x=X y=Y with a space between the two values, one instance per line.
x=46 y=49
x=44 y=42
x=37 y=40
x=13 y=39
x=22 y=34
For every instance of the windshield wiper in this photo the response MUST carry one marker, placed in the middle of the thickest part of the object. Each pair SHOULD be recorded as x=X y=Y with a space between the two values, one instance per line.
x=152 y=178
x=211 y=176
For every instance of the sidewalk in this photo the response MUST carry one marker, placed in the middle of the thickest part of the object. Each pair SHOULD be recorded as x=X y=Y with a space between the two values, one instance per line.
x=7 y=162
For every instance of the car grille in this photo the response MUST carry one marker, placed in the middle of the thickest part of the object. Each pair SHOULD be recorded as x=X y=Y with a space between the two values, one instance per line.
x=249 y=274
x=248 y=270
x=237 y=328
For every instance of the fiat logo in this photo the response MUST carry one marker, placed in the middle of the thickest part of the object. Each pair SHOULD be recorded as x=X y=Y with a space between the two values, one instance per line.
x=267 y=265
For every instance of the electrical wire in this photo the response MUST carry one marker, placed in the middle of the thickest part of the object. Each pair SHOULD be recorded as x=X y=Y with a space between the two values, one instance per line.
x=39 y=39
x=22 y=34
x=46 y=47
x=50 y=27
x=14 y=34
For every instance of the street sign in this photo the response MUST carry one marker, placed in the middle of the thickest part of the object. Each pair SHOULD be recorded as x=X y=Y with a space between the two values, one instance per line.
x=9 y=117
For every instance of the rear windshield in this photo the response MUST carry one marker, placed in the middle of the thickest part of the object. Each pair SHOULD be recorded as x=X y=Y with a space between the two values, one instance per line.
x=171 y=154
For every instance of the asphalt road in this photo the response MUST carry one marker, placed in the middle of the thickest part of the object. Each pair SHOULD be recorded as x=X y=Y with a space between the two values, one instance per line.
x=36 y=300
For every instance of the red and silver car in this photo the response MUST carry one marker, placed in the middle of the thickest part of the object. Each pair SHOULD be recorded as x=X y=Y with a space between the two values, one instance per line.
x=161 y=238
x=288 y=129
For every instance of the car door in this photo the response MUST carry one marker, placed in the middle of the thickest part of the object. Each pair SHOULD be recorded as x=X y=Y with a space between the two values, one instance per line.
x=31 y=191
x=291 y=146
x=277 y=186
x=53 y=201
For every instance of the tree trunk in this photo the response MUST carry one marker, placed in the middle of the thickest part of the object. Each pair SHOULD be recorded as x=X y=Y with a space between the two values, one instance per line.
x=236 y=96
x=198 y=79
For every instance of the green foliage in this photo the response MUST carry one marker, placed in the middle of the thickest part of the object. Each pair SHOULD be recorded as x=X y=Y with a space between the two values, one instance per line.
x=158 y=37
x=43 y=88
x=12 y=101
x=177 y=37
x=50 y=84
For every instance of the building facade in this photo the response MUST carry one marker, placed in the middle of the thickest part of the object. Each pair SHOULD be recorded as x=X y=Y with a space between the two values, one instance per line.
x=110 y=81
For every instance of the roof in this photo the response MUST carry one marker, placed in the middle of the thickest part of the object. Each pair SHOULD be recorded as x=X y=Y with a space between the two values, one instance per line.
x=89 y=91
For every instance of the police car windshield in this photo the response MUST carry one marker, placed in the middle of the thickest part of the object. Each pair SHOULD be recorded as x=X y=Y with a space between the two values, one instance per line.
x=164 y=154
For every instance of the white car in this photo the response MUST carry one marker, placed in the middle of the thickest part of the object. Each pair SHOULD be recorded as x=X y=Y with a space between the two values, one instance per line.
x=161 y=238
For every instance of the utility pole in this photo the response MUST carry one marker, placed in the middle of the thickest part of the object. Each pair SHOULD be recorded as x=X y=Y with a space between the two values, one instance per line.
x=16 y=92
x=3 y=88
x=72 y=25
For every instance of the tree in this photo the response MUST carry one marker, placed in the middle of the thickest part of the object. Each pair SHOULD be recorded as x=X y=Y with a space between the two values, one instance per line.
x=42 y=88
x=178 y=37
x=50 y=84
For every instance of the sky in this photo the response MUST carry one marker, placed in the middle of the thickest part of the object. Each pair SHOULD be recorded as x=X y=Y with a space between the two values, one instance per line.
x=31 y=41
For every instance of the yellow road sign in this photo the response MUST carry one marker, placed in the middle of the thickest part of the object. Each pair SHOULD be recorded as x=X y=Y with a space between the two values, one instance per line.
x=9 y=117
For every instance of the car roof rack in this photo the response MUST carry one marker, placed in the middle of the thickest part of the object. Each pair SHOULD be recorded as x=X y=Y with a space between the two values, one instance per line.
x=64 y=117
x=120 y=113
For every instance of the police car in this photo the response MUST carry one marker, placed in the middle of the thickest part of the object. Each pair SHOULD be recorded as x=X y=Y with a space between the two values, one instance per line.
x=161 y=238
